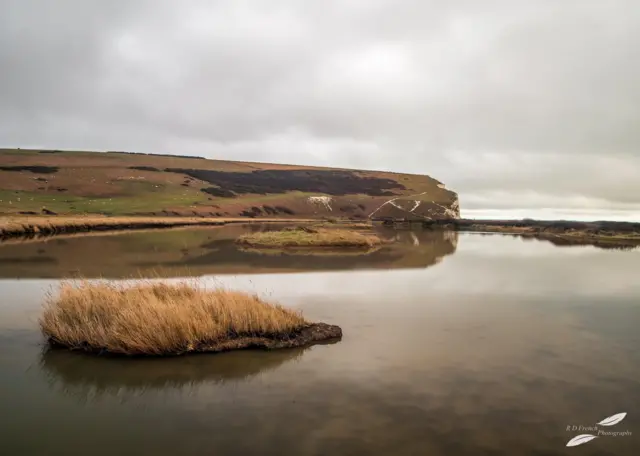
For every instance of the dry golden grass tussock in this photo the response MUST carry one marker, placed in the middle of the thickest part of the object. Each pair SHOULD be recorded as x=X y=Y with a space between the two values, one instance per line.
x=158 y=318
x=310 y=237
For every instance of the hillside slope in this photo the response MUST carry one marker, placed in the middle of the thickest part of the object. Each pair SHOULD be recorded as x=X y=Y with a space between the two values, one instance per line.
x=118 y=183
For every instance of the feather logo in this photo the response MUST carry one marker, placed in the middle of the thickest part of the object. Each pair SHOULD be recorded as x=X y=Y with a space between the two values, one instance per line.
x=613 y=419
x=584 y=438
x=580 y=439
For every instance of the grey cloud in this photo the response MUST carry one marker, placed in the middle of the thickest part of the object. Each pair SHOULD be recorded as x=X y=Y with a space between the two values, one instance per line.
x=494 y=98
x=612 y=178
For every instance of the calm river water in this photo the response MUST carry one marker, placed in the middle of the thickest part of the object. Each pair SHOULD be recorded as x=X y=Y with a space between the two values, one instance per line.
x=453 y=345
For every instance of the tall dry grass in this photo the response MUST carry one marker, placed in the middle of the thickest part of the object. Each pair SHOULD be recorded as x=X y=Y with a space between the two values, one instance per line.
x=158 y=318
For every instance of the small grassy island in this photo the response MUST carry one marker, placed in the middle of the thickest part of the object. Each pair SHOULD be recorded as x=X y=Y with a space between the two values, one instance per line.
x=305 y=236
x=171 y=319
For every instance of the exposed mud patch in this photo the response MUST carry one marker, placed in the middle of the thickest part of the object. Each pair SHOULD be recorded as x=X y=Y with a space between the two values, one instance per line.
x=303 y=337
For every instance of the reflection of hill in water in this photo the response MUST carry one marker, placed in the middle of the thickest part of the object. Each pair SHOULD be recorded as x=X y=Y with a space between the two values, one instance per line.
x=202 y=251
x=88 y=376
x=411 y=250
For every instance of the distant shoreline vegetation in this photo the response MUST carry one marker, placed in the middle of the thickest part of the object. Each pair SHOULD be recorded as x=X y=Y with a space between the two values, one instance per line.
x=326 y=233
x=570 y=231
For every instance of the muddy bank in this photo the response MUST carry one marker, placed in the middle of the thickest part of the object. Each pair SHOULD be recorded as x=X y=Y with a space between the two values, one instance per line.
x=308 y=335
x=316 y=332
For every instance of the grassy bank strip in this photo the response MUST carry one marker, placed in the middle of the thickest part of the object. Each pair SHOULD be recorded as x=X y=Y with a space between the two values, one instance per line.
x=11 y=227
x=41 y=226
x=170 y=319
x=310 y=237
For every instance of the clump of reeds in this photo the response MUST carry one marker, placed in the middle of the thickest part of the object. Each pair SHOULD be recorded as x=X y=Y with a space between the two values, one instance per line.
x=159 y=318
x=310 y=237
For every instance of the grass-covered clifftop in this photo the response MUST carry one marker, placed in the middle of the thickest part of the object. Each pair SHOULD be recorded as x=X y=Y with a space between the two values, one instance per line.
x=116 y=183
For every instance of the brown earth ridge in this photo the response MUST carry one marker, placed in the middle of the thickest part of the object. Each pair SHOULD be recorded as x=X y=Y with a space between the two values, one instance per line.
x=52 y=182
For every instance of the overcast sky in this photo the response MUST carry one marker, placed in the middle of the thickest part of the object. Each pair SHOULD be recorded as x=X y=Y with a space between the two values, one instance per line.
x=525 y=108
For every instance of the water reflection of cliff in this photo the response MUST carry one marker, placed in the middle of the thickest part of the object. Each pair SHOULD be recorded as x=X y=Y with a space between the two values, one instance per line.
x=88 y=377
x=204 y=251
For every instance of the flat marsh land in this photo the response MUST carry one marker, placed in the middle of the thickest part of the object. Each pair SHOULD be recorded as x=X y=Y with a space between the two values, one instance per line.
x=573 y=232
x=170 y=319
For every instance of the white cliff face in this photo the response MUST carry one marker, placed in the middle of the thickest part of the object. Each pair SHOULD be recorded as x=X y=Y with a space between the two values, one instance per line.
x=452 y=211
x=393 y=203
x=408 y=207
x=455 y=209
x=324 y=201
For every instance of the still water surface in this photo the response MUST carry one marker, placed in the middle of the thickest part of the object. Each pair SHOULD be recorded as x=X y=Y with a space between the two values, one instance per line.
x=490 y=346
x=202 y=251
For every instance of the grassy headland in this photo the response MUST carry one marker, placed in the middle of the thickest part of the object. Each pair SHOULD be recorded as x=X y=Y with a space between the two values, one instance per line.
x=310 y=237
x=164 y=319
x=58 y=182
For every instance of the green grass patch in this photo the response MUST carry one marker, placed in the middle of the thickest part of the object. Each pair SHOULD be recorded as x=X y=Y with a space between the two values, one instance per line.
x=310 y=237
x=147 y=201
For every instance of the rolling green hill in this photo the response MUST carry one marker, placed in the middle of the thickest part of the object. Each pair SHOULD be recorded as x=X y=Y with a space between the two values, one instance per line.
x=120 y=183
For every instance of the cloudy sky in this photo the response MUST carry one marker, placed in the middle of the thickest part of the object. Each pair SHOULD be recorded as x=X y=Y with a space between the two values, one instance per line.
x=525 y=108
